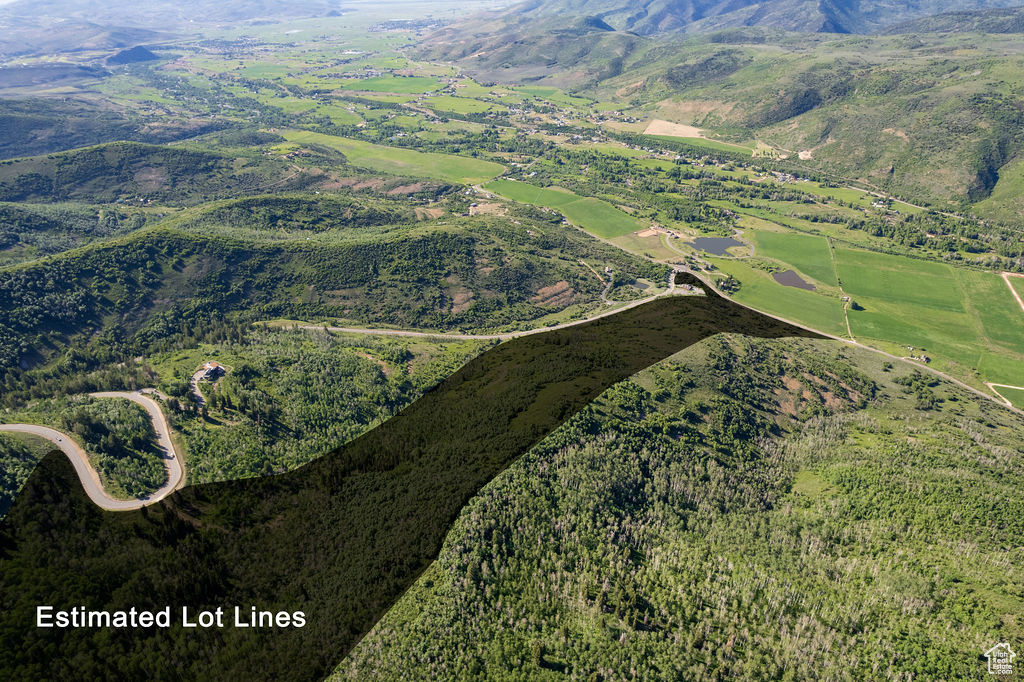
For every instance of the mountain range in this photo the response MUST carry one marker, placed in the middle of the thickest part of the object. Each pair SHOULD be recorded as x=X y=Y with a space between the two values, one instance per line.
x=652 y=17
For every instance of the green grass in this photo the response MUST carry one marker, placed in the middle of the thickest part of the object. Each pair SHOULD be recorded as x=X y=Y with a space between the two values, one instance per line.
x=653 y=247
x=458 y=105
x=555 y=96
x=810 y=484
x=403 y=161
x=895 y=279
x=268 y=71
x=762 y=292
x=1006 y=202
x=291 y=105
x=594 y=215
x=1014 y=395
x=958 y=316
x=709 y=144
x=396 y=84
x=1018 y=285
x=806 y=253
x=339 y=115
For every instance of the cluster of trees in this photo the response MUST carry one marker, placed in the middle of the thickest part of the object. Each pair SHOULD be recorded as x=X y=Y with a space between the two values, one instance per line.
x=18 y=457
x=293 y=396
x=117 y=434
x=679 y=528
x=128 y=297
x=27 y=232
x=128 y=171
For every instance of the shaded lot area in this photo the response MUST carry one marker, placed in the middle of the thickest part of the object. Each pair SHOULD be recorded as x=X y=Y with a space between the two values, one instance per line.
x=339 y=539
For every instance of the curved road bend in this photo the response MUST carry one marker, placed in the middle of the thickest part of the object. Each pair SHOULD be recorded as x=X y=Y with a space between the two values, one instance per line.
x=90 y=479
x=175 y=468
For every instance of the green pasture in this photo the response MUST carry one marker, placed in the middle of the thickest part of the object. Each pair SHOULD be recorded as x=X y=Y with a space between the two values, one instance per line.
x=397 y=161
x=958 y=316
x=965 y=320
x=409 y=85
x=1018 y=285
x=265 y=70
x=1014 y=395
x=554 y=95
x=806 y=253
x=339 y=115
x=458 y=105
x=593 y=215
x=760 y=291
x=897 y=279
x=708 y=144
x=291 y=105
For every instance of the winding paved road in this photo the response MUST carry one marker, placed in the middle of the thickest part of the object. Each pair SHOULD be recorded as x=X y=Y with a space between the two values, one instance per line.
x=90 y=479
x=175 y=467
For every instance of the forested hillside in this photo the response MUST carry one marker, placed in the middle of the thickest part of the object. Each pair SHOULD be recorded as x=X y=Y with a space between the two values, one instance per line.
x=751 y=510
x=141 y=173
x=133 y=295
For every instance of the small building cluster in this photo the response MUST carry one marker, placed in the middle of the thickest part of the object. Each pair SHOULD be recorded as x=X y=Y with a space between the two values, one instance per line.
x=214 y=371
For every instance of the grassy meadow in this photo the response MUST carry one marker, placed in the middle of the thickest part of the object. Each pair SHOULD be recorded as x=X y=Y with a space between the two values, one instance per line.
x=594 y=215
x=377 y=157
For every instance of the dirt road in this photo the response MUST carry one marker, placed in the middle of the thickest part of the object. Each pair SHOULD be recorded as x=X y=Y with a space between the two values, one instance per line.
x=1016 y=295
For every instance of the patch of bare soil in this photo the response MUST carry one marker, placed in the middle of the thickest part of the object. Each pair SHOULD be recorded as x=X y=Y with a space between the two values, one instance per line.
x=151 y=178
x=558 y=295
x=356 y=183
x=487 y=209
x=462 y=298
x=791 y=383
x=428 y=213
x=383 y=365
x=660 y=127
x=411 y=188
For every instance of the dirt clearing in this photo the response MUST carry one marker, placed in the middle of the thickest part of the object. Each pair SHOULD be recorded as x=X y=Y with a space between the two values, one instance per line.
x=659 y=127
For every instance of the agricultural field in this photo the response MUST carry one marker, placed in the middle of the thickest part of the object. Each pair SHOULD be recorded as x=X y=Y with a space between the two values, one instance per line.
x=760 y=291
x=458 y=105
x=809 y=254
x=709 y=144
x=1017 y=284
x=593 y=215
x=961 y=316
x=965 y=321
x=404 y=85
x=403 y=161
x=554 y=95
x=1014 y=395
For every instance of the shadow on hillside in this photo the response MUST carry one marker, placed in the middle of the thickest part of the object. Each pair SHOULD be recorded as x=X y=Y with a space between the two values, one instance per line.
x=339 y=539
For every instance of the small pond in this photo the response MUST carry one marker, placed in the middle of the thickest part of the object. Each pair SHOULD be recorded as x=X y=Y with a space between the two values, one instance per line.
x=791 y=279
x=715 y=245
